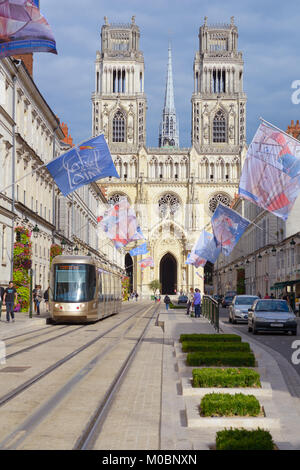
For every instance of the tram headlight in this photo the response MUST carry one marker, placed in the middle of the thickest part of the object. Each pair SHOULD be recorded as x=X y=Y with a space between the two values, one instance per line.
x=82 y=305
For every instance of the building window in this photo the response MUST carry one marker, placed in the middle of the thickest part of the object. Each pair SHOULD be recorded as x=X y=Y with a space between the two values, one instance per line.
x=118 y=127
x=214 y=201
x=168 y=203
x=219 y=127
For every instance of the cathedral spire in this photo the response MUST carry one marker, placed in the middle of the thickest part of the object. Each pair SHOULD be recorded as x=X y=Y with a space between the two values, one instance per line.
x=169 y=135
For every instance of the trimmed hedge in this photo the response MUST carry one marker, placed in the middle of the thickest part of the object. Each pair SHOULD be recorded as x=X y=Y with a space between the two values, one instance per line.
x=226 y=378
x=225 y=404
x=190 y=346
x=242 y=439
x=178 y=306
x=210 y=337
x=222 y=358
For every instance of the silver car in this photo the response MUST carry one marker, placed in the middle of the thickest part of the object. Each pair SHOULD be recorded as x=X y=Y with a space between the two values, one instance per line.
x=238 y=310
x=271 y=315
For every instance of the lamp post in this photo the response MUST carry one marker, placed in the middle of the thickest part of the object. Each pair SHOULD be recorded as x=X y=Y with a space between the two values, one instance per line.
x=76 y=250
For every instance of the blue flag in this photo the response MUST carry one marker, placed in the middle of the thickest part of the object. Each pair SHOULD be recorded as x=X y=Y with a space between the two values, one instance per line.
x=81 y=165
x=228 y=227
x=139 y=250
x=207 y=248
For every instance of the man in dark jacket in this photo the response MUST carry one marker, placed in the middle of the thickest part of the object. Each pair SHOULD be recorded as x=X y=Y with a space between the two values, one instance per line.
x=167 y=301
x=9 y=298
x=1 y=299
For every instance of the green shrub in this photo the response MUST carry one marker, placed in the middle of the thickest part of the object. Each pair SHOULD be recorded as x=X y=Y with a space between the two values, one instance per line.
x=190 y=346
x=225 y=404
x=178 y=306
x=226 y=378
x=210 y=337
x=215 y=358
x=242 y=439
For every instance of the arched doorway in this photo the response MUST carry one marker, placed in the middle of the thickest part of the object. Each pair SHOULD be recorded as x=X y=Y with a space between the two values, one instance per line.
x=168 y=274
x=129 y=269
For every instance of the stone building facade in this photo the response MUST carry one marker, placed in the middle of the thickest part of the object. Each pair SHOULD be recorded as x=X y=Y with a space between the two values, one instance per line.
x=173 y=190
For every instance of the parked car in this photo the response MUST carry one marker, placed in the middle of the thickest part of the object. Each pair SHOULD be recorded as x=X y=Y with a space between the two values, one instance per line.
x=238 y=310
x=182 y=299
x=271 y=315
x=228 y=298
x=218 y=298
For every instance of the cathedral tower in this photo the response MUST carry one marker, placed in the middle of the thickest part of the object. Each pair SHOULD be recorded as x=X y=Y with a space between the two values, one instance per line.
x=119 y=102
x=218 y=102
x=169 y=134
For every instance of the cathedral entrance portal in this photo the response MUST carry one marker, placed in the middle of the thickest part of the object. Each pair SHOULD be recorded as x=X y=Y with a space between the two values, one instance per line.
x=129 y=270
x=168 y=274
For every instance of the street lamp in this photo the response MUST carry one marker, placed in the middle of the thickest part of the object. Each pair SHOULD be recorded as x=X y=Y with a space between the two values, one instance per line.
x=76 y=250
x=273 y=251
x=292 y=243
x=259 y=257
x=36 y=231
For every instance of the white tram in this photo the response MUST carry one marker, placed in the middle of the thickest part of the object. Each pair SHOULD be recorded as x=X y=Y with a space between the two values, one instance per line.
x=83 y=289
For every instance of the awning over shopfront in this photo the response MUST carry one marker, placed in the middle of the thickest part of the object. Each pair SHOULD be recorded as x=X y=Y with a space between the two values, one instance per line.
x=281 y=285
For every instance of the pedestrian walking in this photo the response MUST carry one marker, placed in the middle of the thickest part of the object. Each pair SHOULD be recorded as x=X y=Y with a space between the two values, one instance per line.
x=190 y=301
x=136 y=296
x=46 y=299
x=267 y=296
x=38 y=299
x=9 y=298
x=1 y=299
x=167 y=301
x=34 y=297
x=197 y=303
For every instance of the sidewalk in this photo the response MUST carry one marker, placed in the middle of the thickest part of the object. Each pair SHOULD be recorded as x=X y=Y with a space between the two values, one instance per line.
x=177 y=432
x=22 y=322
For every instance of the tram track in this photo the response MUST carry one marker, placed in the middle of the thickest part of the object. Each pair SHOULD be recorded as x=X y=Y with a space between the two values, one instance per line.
x=94 y=426
x=49 y=331
x=21 y=433
x=12 y=394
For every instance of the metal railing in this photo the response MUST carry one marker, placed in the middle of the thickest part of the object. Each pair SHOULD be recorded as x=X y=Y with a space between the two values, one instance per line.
x=210 y=310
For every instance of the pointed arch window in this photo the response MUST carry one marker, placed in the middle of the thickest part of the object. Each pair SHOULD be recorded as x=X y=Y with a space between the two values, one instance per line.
x=219 y=127
x=119 y=127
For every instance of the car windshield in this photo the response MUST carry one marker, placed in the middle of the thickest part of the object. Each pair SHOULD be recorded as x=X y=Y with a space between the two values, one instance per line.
x=245 y=300
x=272 y=306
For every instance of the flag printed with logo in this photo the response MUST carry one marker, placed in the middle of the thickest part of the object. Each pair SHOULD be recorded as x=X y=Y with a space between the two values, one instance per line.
x=144 y=263
x=228 y=227
x=120 y=224
x=195 y=260
x=139 y=250
x=23 y=29
x=206 y=247
x=271 y=172
x=81 y=165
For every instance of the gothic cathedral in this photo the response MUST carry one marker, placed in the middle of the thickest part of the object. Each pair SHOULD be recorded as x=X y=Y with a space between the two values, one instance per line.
x=173 y=190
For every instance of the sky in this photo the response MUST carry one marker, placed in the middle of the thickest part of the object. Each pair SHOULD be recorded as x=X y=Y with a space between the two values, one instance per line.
x=269 y=38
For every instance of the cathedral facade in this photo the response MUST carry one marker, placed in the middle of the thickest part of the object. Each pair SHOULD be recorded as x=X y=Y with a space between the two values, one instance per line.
x=173 y=190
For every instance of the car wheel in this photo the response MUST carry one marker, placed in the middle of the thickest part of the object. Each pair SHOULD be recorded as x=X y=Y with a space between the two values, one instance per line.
x=234 y=321
x=294 y=332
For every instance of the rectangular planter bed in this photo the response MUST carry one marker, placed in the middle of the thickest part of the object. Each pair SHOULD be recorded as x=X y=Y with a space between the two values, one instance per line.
x=194 y=420
x=215 y=358
x=226 y=378
x=243 y=439
x=193 y=346
x=209 y=337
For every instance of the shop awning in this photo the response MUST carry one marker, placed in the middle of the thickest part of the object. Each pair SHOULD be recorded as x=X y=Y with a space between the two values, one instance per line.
x=280 y=285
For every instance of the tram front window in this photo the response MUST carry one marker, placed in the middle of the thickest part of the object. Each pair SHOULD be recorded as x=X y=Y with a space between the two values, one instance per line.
x=74 y=283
